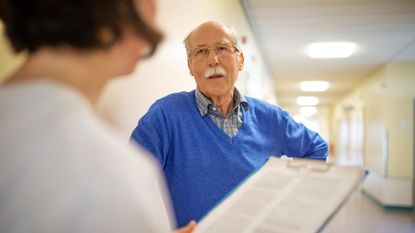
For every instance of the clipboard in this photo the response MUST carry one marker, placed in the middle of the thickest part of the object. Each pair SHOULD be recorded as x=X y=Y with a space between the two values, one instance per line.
x=284 y=195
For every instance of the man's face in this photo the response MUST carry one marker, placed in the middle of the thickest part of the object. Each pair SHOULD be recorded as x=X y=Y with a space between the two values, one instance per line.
x=215 y=75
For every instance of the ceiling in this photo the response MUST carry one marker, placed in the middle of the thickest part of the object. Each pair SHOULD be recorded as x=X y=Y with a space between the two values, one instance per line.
x=384 y=31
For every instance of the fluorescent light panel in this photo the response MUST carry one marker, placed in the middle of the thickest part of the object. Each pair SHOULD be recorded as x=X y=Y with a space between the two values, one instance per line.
x=307 y=100
x=331 y=49
x=314 y=86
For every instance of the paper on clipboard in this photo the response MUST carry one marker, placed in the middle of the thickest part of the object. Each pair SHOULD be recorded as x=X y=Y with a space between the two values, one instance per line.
x=284 y=195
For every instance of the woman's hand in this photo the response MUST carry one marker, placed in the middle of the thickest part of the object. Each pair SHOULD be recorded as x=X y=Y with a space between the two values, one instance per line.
x=188 y=228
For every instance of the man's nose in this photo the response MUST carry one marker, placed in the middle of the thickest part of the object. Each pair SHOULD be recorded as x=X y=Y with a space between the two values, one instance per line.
x=213 y=58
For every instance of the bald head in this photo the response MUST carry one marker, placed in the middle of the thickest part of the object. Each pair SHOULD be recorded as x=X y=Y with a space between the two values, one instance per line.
x=211 y=27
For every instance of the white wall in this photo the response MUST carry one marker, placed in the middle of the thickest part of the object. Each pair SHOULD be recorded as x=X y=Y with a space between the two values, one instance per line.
x=125 y=100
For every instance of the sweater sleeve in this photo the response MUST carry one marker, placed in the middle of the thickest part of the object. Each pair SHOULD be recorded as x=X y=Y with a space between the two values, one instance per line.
x=299 y=141
x=152 y=133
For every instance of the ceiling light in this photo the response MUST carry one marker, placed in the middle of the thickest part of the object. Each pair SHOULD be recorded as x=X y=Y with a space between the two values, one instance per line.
x=331 y=49
x=308 y=111
x=307 y=100
x=314 y=86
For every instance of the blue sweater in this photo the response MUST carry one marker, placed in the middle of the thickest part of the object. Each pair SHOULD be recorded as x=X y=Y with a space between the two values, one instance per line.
x=202 y=163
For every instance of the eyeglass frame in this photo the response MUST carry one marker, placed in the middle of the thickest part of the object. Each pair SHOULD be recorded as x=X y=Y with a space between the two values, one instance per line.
x=233 y=49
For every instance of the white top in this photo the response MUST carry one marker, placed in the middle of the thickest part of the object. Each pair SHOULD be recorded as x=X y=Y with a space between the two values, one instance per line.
x=63 y=170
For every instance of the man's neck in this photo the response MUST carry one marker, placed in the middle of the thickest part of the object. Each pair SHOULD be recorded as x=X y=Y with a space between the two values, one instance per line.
x=223 y=103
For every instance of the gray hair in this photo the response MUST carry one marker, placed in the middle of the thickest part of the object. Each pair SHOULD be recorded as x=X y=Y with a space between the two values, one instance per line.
x=233 y=32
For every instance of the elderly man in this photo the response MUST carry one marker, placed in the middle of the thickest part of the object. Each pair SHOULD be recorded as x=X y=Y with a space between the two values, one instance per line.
x=210 y=139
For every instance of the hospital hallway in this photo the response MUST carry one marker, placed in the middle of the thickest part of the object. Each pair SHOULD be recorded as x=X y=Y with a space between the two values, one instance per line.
x=343 y=68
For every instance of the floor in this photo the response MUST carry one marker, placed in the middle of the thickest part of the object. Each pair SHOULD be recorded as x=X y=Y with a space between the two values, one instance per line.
x=361 y=214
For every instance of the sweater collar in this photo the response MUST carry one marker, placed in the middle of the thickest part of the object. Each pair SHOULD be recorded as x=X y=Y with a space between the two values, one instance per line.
x=203 y=103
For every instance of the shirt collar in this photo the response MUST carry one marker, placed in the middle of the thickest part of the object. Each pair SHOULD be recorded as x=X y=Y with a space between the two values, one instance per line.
x=203 y=102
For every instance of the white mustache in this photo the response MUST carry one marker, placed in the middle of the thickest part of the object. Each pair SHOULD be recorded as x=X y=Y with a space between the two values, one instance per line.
x=215 y=71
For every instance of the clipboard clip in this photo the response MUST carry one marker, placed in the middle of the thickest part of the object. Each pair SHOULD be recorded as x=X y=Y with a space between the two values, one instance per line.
x=309 y=165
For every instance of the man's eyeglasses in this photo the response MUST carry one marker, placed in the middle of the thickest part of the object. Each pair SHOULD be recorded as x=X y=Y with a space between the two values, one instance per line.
x=222 y=50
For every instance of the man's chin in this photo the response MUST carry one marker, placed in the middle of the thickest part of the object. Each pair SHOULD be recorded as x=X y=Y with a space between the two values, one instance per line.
x=215 y=92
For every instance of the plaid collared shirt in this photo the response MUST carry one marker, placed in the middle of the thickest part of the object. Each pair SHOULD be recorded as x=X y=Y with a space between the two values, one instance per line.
x=229 y=124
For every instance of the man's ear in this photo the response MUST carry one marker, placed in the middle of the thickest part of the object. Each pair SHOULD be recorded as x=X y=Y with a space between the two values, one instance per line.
x=189 y=65
x=241 y=60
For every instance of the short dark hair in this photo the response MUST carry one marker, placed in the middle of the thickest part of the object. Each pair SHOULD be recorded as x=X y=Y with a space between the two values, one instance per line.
x=32 y=24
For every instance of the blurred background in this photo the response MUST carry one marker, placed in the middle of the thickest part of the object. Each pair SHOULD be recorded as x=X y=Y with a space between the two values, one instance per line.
x=345 y=68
